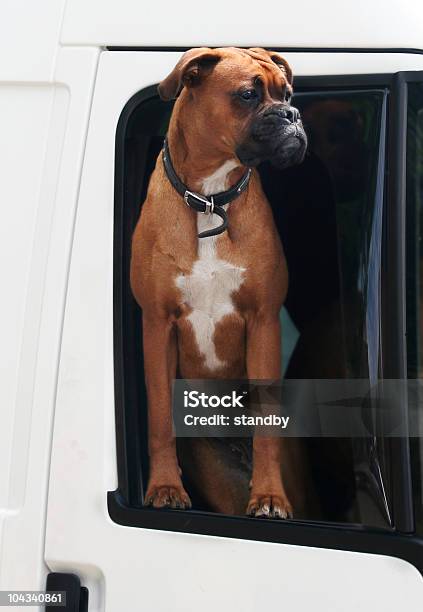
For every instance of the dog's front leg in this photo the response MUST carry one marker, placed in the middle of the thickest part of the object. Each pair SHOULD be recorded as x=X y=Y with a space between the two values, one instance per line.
x=160 y=354
x=267 y=496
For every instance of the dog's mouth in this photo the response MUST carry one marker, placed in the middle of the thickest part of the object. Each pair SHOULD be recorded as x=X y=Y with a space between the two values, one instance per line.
x=275 y=137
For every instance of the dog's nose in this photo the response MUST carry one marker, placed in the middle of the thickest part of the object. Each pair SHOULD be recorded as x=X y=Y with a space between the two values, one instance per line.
x=290 y=113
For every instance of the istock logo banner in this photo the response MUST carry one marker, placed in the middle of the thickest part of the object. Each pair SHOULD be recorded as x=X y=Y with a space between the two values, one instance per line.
x=296 y=408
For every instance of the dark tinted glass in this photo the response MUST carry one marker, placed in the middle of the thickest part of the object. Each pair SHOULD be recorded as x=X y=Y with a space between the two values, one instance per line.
x=329 y=214
x=415 y=270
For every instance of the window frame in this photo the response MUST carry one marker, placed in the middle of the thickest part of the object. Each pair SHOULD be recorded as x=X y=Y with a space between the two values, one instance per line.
x=124 y=504
x=413 y=288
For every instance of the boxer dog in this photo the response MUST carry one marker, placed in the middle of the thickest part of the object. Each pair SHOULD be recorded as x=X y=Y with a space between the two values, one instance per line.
x=207 y=265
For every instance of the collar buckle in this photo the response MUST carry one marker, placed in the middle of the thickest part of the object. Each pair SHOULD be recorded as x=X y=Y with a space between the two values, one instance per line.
x=208 y=204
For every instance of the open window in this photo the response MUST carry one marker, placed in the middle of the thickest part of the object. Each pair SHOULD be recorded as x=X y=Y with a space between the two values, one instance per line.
x=340 y=215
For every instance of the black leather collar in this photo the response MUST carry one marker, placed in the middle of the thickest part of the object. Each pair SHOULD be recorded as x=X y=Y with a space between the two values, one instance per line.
x=211 y=204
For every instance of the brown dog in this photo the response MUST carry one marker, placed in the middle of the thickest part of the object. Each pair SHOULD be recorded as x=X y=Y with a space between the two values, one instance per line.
x=211 y=304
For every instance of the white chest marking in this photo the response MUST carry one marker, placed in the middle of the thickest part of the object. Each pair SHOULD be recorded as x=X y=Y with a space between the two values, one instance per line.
x=218 y=180
x=208 y=289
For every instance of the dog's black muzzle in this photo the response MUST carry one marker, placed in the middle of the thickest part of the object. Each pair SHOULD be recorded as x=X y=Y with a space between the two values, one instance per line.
x=277 y=135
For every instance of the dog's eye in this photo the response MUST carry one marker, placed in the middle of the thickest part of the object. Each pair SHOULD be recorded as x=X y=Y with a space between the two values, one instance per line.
x=288 y=96
x=249 y=94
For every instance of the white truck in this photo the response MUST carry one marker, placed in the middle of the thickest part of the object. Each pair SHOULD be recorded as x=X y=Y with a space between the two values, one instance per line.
x=80 y=126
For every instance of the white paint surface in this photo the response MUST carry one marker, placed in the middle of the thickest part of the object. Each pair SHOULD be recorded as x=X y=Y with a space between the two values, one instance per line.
x=23 y=150
x=29 y=39
x=362 y=23
x=43 y=136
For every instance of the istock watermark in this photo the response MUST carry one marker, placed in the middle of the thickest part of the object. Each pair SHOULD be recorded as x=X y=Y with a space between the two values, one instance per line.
x=298 y=408
x=193 y=399
x=243 y=420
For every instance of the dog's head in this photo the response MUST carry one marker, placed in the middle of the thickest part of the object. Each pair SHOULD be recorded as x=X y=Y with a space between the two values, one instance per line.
x=240 y=100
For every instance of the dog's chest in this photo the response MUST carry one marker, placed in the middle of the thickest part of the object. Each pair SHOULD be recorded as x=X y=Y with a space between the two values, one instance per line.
x=209 y=288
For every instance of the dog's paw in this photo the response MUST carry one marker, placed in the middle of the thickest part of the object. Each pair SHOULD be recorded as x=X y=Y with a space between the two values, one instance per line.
x=269 y=506
x=167 y=496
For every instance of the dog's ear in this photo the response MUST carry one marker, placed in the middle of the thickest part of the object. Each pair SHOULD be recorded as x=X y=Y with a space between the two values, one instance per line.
x=279 y=60
x=189 y=71
x=283 y=64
